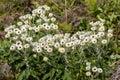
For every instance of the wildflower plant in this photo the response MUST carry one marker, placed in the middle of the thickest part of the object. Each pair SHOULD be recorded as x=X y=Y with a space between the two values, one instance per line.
x=39 y=51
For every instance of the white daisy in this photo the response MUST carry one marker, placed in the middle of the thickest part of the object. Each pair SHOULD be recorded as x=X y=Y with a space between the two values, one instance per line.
x=53 y=19
x=88 y=73
x=45 y=59
x=109 y=35
x=50 y=14
x=57 y=45
x=61 y=50
x=99 y=70
x=49 y=50
x=102 y=28
x=87 y=67
x=7 y=35
x=19 y=47
x=94 y=69
x=68 y=45
x=38 y=50
x=26 y=45
x=29 y=39
x=104 y=41
x=94 y=41
x=12 y=47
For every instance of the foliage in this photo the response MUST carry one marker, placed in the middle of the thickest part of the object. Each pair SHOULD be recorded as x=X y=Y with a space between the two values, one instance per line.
x=72 y=16
x=39 y=50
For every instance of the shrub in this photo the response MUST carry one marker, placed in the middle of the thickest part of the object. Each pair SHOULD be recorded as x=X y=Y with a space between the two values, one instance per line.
x=39 y=50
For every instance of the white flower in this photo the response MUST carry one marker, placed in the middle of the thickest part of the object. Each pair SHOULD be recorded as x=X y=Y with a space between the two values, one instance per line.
x=72 y=43
x=86 y=39
x=7 y=35
x=57 y=45
x=19 y=23
x=38 y=21
x=15 y=37
x=82 y=43
x=50 y=43
x=29 y=39
x=62 y=41
x=41 y=40
x=109 y=35
x=87 y=67
x=77 y=42
x=30 y=17
x=26 y=22
x=88 y=73
x=6 y=29
x=101 y=33
x=91 y=23
x=112 y=56
x=67 y=35
x=110 y=31
x=46 y=47
x=19 y=47
x=30 y=28
x=42 y=44
x=39 y=50
x=92 y=36
x=53 y=19
x=99 y=70
x=49 y=50
x=94 y=69
x=23 y=29
x=104 y=41
x=37 y=29
x=12 y=47
x=45 y=58
x=18 y=43
x=23 y=37
x=55 y=27
x=81 y=36
x=46 y=20
x=10 y=31
x=34 y=55
x=18 y=32
x=50 y=14
x=49 y=40
x=102 y=28
x=34 y=14
x=34 y=49
x=47 y=27
x=61 y=50
x=46 y=7
x=26 y=45
x=68 y=45
x=93 y=28
x=94 y=41
x=88 y=63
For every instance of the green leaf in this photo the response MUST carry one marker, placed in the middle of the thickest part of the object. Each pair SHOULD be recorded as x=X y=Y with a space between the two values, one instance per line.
x=91 y=3
x=46 y=76
x=65 y=27
x=52 y=72
x=34 y=74
x=67 y=76
x=21 y=75
x=24 y=75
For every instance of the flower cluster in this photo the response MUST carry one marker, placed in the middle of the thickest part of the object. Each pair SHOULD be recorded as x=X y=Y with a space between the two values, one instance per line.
x=39 y=33
x=93 y=69
x=24 y=36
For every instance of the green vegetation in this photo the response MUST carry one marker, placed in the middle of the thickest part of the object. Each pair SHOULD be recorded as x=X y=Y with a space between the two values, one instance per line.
x=71 y=16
